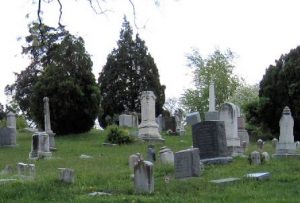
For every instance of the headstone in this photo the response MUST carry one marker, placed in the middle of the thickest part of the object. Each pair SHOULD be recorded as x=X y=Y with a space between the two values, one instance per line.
x=259 y=176
x=274 y=142
x=151 y=156
x=187 y=163
x=26 y=170
x=159 y=121
x=242 y=132
x=8 y=134
x=286 y=144
x=133 y=160
x=265 y=156
x=40 y=146
x=143 y=177
x=179 y=121
x=260 y=144
x=255 y=158
x=166 y=156
x=212 y=114
x=8 y=169
x=228 y=114
x=66 y=175
x=193 y=118
x=209 y=137
x=297 y=144
x=130 y=121
x=148 y=129
x=47 y=121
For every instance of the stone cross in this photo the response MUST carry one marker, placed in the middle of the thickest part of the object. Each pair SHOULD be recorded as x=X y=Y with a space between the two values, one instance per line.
x=47 y=121
x=212 y=97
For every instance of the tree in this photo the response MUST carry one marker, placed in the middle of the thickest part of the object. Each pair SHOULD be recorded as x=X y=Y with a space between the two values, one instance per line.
x=61 y=69
x=218 y=68
x=129 y=70
x=280 y=87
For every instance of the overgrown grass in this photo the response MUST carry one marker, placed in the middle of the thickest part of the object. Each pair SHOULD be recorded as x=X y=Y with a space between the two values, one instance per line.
x=108 y=171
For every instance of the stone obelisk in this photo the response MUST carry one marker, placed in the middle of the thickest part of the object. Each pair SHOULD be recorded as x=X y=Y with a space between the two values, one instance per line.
x=212 y=114
x=48 y=124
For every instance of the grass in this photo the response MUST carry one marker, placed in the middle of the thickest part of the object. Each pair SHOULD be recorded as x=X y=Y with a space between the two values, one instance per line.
x=108 y=171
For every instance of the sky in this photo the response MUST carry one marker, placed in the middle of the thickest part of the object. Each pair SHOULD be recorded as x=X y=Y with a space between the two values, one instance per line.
x=257 y=31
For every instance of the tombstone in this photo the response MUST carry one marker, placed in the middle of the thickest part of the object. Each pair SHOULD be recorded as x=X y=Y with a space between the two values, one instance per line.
x=260 y=144
x=166 y=156
x=66 y=175
x=26 y=170
x=209 y=137
x=228 y=114
x=187 y=163
x=212 y=114
x=133 y=160
x=48 y=124
x=40 y=146
x=255 y=158
x=159 y=121
x=151 y=154
x=242 y=132
x=193 y=118
x=179 y=122
x=169 y=123
x=297 y=144
x=148 y=129
x=130 y=121
x=286 y=144
x=265 y=156
x=8 y=134
x=143 y=177
x=274 y=142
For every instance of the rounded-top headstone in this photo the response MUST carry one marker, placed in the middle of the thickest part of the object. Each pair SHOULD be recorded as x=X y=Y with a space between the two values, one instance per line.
x=260 y=144
x=45 y=99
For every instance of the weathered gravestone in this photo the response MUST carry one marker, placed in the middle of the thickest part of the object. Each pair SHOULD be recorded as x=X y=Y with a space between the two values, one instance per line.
x=143 y=177
x=159 y=121
x=66 y=175
x=47 y=121
x=148 y=129
x=274 y=142
x=40 y=146
x=260 y=144
x=130 y=121
x=187 y=163
x=193 y=118
x=255 y=158
x=242 y=132
x=166 y=156
x=229 y=113
x=179 y=121
x=286 y=144
x=209 y=137
x=26 y=170
x=151 y=156
x=133 y=160
x=8 y=134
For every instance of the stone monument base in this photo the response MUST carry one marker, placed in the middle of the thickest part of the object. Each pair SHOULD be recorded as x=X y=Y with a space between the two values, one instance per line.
x=235 y=151
x=153 y=140
x=39 y=155
x=212 y=116
x=217 y=160
x=286 y=148
x=149 y=132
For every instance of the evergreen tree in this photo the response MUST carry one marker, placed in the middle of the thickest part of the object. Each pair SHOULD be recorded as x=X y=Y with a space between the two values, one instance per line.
x=61 y=69
x=129 y=70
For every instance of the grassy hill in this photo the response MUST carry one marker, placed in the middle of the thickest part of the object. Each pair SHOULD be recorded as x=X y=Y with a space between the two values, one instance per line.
x=108 y=171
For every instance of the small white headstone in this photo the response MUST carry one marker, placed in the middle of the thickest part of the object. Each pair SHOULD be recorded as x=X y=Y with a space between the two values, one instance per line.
x=133 y=160
x=166 y=156
x=265 y=156
x=66 y=175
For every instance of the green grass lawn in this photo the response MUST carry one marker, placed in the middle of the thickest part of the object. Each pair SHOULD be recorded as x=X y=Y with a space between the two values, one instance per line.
x=108 y=171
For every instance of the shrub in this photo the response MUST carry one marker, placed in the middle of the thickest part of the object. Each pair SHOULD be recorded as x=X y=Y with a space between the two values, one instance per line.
x=116 y=135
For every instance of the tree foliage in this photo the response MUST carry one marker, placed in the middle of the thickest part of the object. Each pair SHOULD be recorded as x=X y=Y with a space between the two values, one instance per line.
x=61 y=69
x=280 y=87
x=129 y=70
x=217 y=67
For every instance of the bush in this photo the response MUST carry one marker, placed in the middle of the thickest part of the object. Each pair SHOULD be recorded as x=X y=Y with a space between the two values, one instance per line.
x=116 y=135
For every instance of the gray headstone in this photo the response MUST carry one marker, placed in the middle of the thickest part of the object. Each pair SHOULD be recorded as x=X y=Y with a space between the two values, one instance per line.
x=166 y=156
x=274 y=142
x=133 y=160
x=40 y=146
x=66 y=175
x=193 y=118
x=128 y=120
x=187 y=163
x=151 y=156
x=255 y=158
x=143 y=177
x=260 y=144
x=209 y=137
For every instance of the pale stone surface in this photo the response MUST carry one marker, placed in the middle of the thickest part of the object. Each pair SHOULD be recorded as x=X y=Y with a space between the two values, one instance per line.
x=193 y=118
x=151 y=155
x=286 y=144
x=8 y=134
x=11 y=120
x=84 y=156
x=148 y=129
x=143 y=177
x=130 y=121
x=187 y=163
x=265 y=156
x=166 y=156
x=225 y=180
x=47 y=123
x=228 y=114
x=26 y=170
x=259 y=176
x=179 y=121
x=212 y=97
x=40 y=146
x=274 y=142
x=255 y=158
x=133 y=160
x=159 y=121
x=260 y=144
x=99 y=194
x=242 y=132
x=66 y=175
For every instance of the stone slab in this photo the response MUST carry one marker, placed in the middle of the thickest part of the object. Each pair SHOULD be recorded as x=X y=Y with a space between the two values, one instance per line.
x=217 y=160
x=259 y=176
x=225 y=180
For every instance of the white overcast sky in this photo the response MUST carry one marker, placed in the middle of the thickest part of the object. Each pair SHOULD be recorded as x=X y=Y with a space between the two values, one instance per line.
x=258 y=31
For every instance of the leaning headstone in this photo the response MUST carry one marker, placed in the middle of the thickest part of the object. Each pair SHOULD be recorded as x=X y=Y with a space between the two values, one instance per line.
x=151 y=156
x=212 y=114
x=133 y=160
x=193 y=118
x=148 y=129
x=143 y=177
x=187 y=163
x=8 y=134
x=47 y=121
x=228 y=114
x=255 y=158
x=166 y=156
x=210 y=138
x=40 y=146
x=66 y=175
x=286 y=144
x=130 y=121
x=260 y=144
